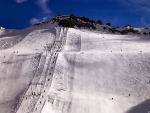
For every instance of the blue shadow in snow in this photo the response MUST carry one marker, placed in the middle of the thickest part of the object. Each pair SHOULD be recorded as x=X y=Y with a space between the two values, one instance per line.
x=141 y=108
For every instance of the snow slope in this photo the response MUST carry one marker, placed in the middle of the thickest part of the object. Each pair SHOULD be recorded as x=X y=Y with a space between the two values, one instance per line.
x=85 y=72
x=101 y=73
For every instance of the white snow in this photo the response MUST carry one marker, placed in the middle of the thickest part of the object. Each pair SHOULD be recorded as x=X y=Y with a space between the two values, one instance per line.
x=2 y=28
x=87 y=72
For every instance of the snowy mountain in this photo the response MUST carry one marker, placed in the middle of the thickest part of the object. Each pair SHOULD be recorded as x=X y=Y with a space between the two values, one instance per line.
x=82 y=22
x=53 y=67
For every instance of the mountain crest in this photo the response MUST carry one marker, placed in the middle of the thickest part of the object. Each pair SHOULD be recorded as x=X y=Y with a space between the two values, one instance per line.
x=73 y=21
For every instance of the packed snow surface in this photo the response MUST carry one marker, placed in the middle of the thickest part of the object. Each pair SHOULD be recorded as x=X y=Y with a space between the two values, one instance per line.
x=85 y=71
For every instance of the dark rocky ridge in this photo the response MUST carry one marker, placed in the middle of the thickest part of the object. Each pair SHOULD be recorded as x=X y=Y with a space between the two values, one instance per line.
x=73 y=21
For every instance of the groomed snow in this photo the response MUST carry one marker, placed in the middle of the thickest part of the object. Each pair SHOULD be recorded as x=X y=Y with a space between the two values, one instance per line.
x=101 y=73
x=91 y=72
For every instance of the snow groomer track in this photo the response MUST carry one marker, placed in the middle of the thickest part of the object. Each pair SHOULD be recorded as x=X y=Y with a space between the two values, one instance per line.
x=37 y=93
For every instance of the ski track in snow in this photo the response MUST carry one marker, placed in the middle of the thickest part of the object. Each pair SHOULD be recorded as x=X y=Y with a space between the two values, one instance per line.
x=91 y=72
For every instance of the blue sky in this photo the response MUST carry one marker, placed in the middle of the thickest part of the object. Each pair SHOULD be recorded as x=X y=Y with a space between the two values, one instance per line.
x=19 y=14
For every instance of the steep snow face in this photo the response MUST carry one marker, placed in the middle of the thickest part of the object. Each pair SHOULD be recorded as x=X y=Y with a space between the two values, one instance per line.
x=20 y=63
x=101 y=73
x=86 y=71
